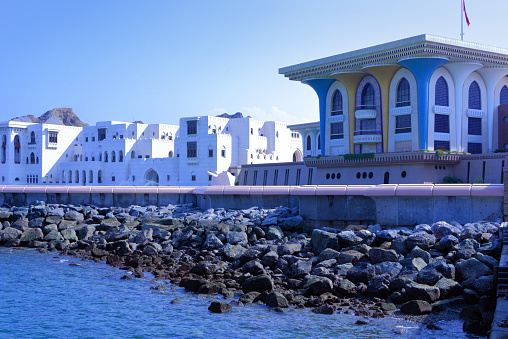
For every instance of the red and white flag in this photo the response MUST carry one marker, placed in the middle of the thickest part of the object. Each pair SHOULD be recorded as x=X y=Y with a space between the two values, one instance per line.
x=464 y=9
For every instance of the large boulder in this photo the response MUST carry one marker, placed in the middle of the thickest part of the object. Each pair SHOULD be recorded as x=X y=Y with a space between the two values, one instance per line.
x=212 y=242
x=379 y=286
x=321 y=239
x=276 y=299
x=260 y=283
x=446 y=243
x=484 y=285
x=378 y=255
x=361 y=272
x=69 y=234
x=274 y=233
x=472 y=268
x=386 y=235
x=466 y=249
x=349 y=256
x=421 y=239
x=235 y=238
x=74 y=215
x=327 y=254
x=31 y=234
x=316 y=285
x=416 y=291
x=428 y=276
x=219 y=307
x=290 y=223
x=86 y=232
x=290 y=247
x=9 y=233
x=448 y=288
x=301 y=268
x=232 y=252
x=441 y=229
x=416 y=307
x=348 y=238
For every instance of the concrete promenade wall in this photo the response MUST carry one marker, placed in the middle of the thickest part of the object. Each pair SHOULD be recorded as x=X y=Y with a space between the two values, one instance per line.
x=335 y=206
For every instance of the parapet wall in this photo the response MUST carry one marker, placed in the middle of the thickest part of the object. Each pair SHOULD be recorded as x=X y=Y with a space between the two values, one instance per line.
x=334 y=206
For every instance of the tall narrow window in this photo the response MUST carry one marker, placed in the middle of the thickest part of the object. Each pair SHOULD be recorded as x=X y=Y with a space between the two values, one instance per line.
x=368 y=97
x=53 y=137
x=441 y=92
x=441 y=123
x=113 y=156
x=265 y=177
x=255 y=178
x=17 y=150
x=337 y=103
x=105 y=156
x=286 y=177
x=503 y=96
x=101 y=134
x=403 y=97
x=309 y=143
x=192 y=127
x=32 y=158
x=474 y=126
x=99 y=177
x=192 y=149
x=474 y=101
x=319 y=142
x=275 y=175
x=403 y=123
x=337 y=131
x=32 y=138
x=4 y=148
x=120 y=156
x=133 y=155
x=245 y=176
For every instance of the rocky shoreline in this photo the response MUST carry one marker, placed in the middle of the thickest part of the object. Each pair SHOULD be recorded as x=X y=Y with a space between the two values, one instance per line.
x=267 y=256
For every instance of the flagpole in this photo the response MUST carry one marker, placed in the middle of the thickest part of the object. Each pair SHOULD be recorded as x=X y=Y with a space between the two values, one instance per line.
x=461 y=20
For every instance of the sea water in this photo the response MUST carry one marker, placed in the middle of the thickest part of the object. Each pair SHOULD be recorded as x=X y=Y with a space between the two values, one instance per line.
x=54 y=296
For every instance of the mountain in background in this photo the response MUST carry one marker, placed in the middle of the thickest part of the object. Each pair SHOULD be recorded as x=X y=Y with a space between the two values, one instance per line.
x=57 y=116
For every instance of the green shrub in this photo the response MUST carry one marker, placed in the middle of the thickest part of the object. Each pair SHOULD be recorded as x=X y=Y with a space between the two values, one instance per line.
x=359 y=156
x=439 y=153
x=478 y=180
x=451 y=180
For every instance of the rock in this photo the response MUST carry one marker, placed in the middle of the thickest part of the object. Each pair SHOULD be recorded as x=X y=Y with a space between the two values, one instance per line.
x=219 y=307
x=417 y=252
x=416 y=291
x=192 y=284
x=327 y=254
x=37 y=223
x=422 y=227
x=323 y=309
x=421 y=239
x=484 y=285
x=249 y=297
x=472 y=268
x=301 y=268
x=31 y=234
x=361 y=272
x=348 y=239
x=316 y=285
x=143 y=237
x=276 y=299
x=442 y=229
x=399 y=244
x=54 y=219
x=428 y=276
x=69 y=234
x=108 y=223
x=74 y=215
x=212 y=242
x=448 y=288
x=274 y=233
x=259 y=284
x=232 y=252
x=65 y=224
x=270 y=259
x=291 y=223
x=378 y=255
x=446 y=243
x=53 y=235
x=350 y=256
x=20 y=224
x=379 y=286
x=5 y=216
x=253 y=267
x=86 y=232
x=270 y=220
x=386 y=235
x=235 y=238
x=345 y=287
x=49 y=228
x=416 y=307
x=391 y=268
x=321 y=239
x=9 y=233
x=466 y=249
x=289 y=248
x=211 y=288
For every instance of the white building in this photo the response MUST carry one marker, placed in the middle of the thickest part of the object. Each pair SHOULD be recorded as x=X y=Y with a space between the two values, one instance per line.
x=120 y=153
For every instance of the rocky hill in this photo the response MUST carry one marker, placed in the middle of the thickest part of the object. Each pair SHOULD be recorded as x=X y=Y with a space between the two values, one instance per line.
x=56 y=116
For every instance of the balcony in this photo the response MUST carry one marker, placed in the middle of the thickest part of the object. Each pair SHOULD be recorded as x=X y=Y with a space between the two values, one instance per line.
x=335 y=118
x=475 y=113
x=400 y=111
x=442 y=110
x=367 y=138
x=365 y=113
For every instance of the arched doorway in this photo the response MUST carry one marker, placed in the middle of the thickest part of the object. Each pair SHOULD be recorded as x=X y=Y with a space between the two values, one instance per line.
x=297 y=156
x=387 y=178
x=151 y=178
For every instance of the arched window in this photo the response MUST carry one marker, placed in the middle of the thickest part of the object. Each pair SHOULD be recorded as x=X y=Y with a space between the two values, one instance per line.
x=99 y=177
x=319 y=142
x=4 y=148
x=63 y=177
x=133 y=155
x=309 y=143
x=76 y=177
x=32 y=137
x=32 y=158
x=90 y=176
x=84 y=177
x=106 y=156
x=503 y=97
x=100 y=156
x=113 y=156
x=37 y=160
x=170 y=154
x=475 y=101
x=120 y=156
x=441 y=92
x=368 y=97
x=403 y=97
x=70 y=177
x=17 y=150
x=337 y=103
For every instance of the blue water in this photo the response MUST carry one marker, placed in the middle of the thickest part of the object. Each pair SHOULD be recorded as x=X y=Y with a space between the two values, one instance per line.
x=42 y=296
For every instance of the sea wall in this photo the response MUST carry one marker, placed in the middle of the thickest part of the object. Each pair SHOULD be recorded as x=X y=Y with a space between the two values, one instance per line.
x=335 y=206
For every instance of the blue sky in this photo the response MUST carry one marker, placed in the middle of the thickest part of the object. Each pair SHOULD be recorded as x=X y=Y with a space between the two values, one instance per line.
x=157 y=61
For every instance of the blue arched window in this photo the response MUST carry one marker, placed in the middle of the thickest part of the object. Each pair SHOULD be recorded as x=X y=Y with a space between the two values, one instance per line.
x=441 y=92
x=403 y=97
x=475 y=101
x=503 y=97
x=309 y=143
x=337 y=103
x=368 y=97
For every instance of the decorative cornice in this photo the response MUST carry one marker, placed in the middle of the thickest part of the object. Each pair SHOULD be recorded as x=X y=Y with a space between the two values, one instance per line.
x=336 y=118
x=370 y=138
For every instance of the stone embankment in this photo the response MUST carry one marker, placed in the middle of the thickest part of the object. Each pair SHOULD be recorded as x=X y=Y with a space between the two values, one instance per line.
x=266 y=255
